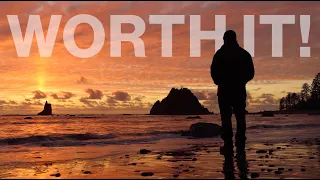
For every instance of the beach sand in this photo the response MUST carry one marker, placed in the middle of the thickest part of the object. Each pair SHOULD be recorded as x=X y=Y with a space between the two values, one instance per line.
x=173 y=158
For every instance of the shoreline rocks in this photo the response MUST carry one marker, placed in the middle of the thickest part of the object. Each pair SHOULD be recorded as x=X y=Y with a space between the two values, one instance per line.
x=144 y=151
x=267 y=114
x=194 y=117
x=147 y=174
x=203 y=130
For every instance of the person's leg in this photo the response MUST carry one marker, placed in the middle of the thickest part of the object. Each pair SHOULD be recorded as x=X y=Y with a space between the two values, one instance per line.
x=226 y=114
x=239 y=107
x=241 y=123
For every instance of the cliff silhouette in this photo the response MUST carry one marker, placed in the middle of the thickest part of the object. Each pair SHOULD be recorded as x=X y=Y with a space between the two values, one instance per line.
x=179 y=102
x=47 y=110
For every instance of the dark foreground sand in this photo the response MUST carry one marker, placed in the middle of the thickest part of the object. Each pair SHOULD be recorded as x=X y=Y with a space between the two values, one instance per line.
x=170 y=159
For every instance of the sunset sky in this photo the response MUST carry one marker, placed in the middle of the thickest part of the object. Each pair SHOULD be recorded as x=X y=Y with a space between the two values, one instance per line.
x=104 y=84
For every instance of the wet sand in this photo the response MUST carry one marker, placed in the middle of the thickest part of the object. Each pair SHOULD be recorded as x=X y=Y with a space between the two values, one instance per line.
x=179 y=158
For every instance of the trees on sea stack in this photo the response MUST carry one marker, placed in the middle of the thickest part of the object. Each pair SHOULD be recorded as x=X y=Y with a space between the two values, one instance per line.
x=307 y=99
x=305 y=92
x=315 y=87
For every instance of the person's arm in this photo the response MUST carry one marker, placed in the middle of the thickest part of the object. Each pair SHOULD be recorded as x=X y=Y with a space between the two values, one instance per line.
x=214 y=69
x=250 y=68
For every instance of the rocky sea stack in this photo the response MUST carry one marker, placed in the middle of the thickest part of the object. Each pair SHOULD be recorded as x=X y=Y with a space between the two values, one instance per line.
x=179 y=102
x=47 y=110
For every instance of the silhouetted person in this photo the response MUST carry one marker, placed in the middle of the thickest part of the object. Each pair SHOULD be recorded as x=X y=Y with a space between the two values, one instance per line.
x=231 y=69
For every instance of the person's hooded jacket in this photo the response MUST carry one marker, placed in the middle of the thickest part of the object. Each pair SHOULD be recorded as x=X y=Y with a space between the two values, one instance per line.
x=232 y=66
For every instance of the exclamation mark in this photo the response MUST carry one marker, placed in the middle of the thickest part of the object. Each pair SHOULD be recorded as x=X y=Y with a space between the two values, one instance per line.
x=305 y=29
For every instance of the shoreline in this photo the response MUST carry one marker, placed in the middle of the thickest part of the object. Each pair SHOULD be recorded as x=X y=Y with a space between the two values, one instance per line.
x=164 y=115
x=197 y=158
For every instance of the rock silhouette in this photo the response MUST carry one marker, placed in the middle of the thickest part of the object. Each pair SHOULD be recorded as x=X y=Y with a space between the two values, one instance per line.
x=144 y=151
x=203 y=130
x=179 y=102
x=47 y=110
x=194 y=117
x=267 y=114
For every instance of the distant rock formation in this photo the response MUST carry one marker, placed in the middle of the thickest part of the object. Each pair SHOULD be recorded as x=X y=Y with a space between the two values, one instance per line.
x=194 y=117
x=179 y=102
x=267 y=114
x=203 y=130
x=314 y=113
x=47 y=110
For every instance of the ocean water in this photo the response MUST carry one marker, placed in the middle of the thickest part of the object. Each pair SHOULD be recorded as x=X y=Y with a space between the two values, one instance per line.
x=61 y=137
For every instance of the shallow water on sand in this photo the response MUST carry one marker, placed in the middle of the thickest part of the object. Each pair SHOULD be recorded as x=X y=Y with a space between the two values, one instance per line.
x=71 y=145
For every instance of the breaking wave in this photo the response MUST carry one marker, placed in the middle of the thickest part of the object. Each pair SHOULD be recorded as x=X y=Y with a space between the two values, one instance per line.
x=54 y=138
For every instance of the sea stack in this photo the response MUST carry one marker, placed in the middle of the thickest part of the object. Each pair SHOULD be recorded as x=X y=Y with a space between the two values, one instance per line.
x=47 y=110
x=179 y=102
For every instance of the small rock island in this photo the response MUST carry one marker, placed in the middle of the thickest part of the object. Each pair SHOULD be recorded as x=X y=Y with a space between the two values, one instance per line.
x=179 y=102
x=47 y=110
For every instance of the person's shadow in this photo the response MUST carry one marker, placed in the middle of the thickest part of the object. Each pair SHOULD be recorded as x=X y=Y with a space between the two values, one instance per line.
x=228 y=166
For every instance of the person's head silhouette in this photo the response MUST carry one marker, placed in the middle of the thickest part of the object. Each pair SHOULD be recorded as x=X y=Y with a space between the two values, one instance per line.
x=230 y=37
